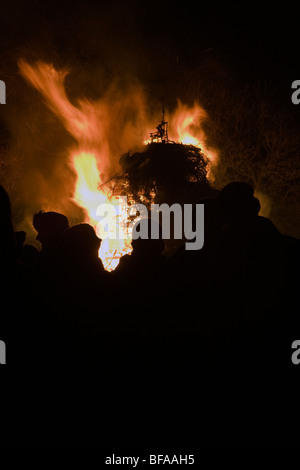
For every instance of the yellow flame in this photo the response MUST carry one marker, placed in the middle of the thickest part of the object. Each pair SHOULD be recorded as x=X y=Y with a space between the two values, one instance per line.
x=115 y=237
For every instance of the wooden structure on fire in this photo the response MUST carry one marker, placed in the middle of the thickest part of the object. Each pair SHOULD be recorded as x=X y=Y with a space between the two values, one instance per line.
x=161 y=133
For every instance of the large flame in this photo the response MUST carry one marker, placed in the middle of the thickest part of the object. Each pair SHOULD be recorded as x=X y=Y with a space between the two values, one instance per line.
x=186 y=127
x=90 y=123
x=103 y=131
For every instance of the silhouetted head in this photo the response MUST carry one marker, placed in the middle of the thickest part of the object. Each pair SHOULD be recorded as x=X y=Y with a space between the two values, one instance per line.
x=237 y=203
x=20 y=237
x=4 y=204
x=211 y=218
x=80 y=242
x=147 y=237
x=7 y=239
x=50 y=226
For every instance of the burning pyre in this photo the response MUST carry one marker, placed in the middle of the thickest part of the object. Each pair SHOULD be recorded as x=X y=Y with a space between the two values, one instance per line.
x=93 y=159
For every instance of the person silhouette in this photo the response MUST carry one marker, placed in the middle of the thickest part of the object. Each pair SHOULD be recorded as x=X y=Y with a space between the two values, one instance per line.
x=20 y=237
x=147 y=259
x=250 y=258
x=84 y=279
x=7 y=238
x=141 y=275
x=49 y=226
x=14 y=317
x=80 y=248
x=237 y=203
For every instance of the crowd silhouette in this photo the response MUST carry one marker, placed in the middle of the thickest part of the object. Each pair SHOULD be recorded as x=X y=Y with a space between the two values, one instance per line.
x=61 y=300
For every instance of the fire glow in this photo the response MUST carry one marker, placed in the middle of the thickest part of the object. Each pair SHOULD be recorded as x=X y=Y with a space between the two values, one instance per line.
x=93 y=159
x=88 y=195
x=186 y=128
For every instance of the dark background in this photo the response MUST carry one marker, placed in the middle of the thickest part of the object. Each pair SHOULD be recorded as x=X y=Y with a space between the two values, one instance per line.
x=156 y=41
x=187 y=50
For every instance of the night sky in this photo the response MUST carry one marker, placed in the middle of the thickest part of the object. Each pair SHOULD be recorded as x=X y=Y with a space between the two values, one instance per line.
x=156 y=41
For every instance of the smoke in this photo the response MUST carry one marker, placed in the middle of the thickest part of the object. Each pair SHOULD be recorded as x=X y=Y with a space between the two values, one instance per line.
x=109 y=126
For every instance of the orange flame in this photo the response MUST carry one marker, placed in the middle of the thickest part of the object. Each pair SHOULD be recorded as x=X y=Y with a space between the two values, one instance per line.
x=93 y=124
x=186 y=127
